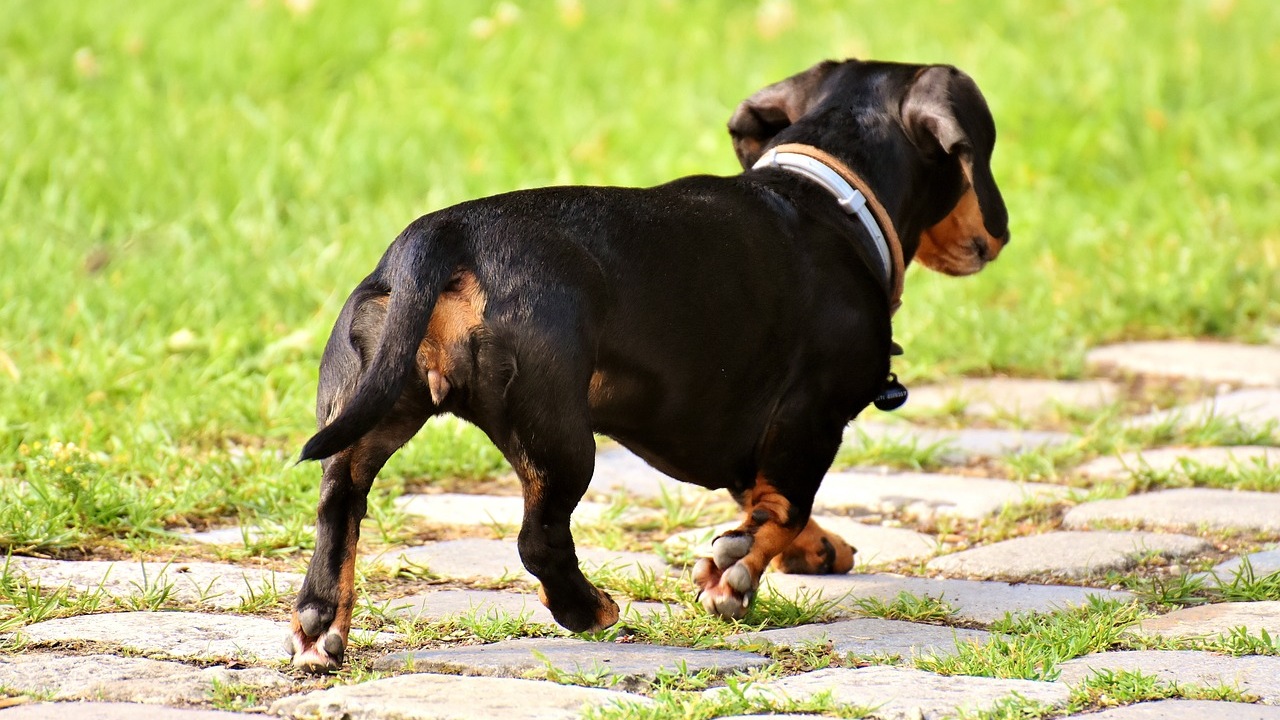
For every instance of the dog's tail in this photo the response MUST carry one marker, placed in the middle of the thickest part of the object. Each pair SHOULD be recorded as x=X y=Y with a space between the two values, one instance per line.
x=415 y=270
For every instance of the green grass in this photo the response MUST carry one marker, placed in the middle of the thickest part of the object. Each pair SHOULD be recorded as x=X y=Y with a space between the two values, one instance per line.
x=190 y=190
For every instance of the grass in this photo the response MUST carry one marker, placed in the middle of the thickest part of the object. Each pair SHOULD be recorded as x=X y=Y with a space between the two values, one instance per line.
x=190 y=190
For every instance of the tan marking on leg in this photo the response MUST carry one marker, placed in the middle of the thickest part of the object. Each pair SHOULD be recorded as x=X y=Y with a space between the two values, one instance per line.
x=459 y=311
x=816 y=552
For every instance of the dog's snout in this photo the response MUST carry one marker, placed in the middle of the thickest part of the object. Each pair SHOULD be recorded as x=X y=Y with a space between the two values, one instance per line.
x=980 y=249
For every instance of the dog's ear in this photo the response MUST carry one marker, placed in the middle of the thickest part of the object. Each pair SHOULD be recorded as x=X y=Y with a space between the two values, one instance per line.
x=943 y=109
x=771 y=110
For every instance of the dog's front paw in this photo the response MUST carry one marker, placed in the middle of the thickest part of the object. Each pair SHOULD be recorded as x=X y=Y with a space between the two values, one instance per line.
x=727 y=585
x=313 y=645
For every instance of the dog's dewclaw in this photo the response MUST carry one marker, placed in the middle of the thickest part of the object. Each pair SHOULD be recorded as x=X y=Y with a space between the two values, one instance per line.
x=729 y=549
x=438 y=385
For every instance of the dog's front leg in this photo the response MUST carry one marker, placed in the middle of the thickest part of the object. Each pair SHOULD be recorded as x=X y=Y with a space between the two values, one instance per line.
x=802 y=444
x=729 y=579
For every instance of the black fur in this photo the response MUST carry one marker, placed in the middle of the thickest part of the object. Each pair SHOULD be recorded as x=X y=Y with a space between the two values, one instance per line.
x=732 y=324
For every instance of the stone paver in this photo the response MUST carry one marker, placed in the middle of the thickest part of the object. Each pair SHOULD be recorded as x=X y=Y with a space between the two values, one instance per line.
x=872 y=636
x=1253 y=409
x=500 y=559
x=1012 y=397
x=876 y=544
x=1206 y=361
x=1253 y=674
x=981 y=602
x=1184 y=508
x=1209 y=621
x=532 y=657
x=1172 y=459
x=956 y=447
x=424 y=696
x=618 y=469
x=1261 y=563
x=126 y=679
x=1187 y=710
x=900 y=693
x=1065 y=554
x=115 y=711
x=441 y=604
x=460 y=509
x=926 y=495
x=176 y=634
x=215 y=584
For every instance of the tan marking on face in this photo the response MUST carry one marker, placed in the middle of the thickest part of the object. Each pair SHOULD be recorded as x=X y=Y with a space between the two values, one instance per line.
x=959 y=244
x=809 y=555
x=458 y=312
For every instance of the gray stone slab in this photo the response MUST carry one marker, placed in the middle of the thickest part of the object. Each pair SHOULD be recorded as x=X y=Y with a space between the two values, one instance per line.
x=626 y=664
x=425 y=696
x=214 y=584
x=927 y=495
x=981 y=602
x=115 y=711
x=125 y=679
x=955 y=446
x=872 y=636
x=484 y=510
x=1176 y=459
x=1184 y=508
x=876 y=544
x=204 y=636
x=441 y=604
x=897 y=693
x=1065 y=554
x=1254 y=409
x=1187 y=710
x=1012 y=397
x=1254 y=674
x=1206 y=361
x=619 y=469
x=500 y=559
x=1210 y=621
x=1261 y=563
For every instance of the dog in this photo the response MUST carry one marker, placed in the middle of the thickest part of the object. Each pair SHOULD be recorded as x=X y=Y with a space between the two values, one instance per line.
x=725 y=329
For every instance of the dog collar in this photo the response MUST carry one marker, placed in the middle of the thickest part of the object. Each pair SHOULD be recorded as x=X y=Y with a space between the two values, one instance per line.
x=854 y=197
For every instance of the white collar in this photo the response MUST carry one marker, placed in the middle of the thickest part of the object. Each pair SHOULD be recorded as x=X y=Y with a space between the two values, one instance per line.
x=850 y=199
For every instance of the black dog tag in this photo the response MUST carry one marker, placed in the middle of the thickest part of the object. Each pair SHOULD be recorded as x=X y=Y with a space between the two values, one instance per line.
x=893 y=395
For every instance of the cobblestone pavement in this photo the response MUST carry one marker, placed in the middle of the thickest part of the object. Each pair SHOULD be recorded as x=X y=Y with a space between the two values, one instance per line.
x=1021 y=519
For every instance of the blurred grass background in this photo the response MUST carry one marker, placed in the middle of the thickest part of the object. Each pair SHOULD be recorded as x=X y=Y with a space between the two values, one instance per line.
x=189 y=190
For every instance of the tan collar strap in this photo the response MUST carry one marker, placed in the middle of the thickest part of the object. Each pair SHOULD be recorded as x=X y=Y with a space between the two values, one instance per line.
x=854 y=197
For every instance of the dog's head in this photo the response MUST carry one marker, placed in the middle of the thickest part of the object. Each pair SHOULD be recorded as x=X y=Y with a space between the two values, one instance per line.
x=923 y=133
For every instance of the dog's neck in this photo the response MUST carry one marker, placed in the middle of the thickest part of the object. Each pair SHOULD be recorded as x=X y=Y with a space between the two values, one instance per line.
x=854 y=197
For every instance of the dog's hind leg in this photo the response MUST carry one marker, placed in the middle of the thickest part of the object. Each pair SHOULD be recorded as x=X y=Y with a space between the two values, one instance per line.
x=322 y=614
x=538 y=415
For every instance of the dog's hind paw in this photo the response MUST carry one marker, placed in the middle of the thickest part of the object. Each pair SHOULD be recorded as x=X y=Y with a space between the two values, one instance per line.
x=727 y=584
x=314 y=646
x=317 y=655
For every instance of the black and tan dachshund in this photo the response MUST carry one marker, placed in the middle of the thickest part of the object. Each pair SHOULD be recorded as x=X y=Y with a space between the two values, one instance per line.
x=725 y=329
